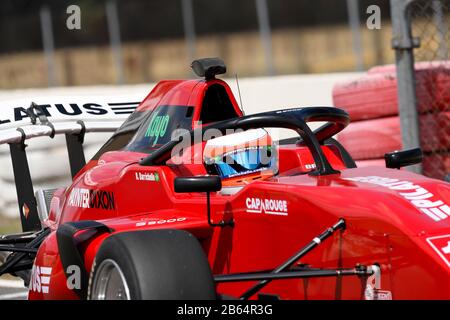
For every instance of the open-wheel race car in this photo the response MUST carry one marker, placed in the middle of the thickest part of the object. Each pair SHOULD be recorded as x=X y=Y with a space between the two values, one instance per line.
x=192 y=199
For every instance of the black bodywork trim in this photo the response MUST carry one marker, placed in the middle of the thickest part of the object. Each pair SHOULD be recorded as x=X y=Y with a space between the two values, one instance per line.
x=15 y=238
x=208 y=67
x=40 y=114
x=22 y=261
x=18 y=249
x=76 y=154
x=291 y=274
x=75 y=150
x=68 y=247
x=346 y=157
x=24 y=187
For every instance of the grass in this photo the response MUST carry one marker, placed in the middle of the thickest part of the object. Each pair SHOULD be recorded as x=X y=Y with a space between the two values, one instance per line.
x=8 y=225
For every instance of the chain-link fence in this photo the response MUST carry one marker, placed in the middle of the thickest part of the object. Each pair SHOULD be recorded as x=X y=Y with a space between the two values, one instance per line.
x=421 y=36
x=430 y=22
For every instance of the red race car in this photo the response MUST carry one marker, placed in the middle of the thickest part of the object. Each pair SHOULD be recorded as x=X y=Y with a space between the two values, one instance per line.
x=191 y=199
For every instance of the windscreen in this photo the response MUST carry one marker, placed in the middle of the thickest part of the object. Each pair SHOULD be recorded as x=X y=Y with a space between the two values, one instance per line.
x=159 y=126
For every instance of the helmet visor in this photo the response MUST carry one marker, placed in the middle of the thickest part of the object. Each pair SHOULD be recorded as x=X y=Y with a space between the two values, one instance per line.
x=243 y=161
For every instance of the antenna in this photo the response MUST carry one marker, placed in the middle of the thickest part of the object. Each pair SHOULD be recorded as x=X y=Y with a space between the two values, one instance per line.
x=239 y=91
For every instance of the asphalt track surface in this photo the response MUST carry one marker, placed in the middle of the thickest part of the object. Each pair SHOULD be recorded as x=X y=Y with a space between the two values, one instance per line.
x=12 y=290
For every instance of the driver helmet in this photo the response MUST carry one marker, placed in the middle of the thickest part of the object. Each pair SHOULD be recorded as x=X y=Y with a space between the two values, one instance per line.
x=242 y=157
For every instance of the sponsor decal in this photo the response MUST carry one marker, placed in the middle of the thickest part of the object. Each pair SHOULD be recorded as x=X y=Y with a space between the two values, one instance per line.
x=147 y=176
x=421 y=198
x=40 y=279
x=25 y=210
x=123 y=107
x=267 y=206
x=373 y=289
x=93 y=199
x=157 y=127
x=159 y=222
x=375 y=294
x=310 y=166
x=74 y=109
x=289 y=110
x=441 y=244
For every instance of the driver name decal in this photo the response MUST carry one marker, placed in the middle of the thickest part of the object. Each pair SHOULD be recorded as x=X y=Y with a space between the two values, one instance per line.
x=147 y=176
x=418 y=196
x=267 y=206
x=91 y=199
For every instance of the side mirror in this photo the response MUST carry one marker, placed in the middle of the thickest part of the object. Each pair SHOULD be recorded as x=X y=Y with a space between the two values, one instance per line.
x=197 y=184
x=398 y=159
x=206 y=184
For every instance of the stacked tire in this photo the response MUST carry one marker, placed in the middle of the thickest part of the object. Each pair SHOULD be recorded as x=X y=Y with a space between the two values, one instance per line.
x=371 y=101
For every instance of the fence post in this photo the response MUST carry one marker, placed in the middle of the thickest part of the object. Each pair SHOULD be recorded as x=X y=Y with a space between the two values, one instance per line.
x=265 y=33
x=355 y=26
x=114 y=38
x=404 y=44
x=48 y=44
x=189 y=28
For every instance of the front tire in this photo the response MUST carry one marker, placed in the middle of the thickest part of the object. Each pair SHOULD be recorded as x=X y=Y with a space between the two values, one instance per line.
x=151 y=265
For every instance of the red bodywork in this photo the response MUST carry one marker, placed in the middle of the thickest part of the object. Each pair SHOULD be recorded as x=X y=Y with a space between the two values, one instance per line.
x=384 y=227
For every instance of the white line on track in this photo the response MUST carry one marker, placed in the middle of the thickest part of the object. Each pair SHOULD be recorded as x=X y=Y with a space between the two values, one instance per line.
x=12 y=284
x=15 y=295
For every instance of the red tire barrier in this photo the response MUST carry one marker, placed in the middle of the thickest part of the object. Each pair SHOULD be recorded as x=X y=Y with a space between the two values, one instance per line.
x=371 y=139
x=437 y=165
x=374 y=95
x=435 y=131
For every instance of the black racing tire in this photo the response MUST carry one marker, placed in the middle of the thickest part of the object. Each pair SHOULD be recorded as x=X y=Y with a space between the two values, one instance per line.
x=156 y=265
